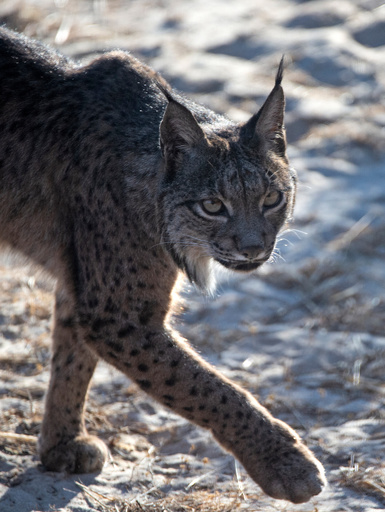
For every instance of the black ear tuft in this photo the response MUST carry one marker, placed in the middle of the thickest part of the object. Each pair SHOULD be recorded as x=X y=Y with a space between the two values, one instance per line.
x=279 y=75
x=166 y=91
x=266 y=126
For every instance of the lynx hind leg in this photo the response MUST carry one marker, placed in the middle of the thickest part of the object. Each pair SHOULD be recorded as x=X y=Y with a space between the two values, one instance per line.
x=64 y=444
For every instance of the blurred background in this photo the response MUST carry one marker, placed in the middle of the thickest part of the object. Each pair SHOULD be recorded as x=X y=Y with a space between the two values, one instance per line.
x=305 y=335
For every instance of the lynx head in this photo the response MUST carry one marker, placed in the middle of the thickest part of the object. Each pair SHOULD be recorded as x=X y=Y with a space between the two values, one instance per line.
x=226 y=189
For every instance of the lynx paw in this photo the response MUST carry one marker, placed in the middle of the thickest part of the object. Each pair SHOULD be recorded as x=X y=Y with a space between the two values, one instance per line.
x=279 y=462
x=294 y=475
x=83 y=454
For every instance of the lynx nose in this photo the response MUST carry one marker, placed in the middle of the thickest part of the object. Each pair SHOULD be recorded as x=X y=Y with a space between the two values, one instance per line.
x=251 y=246
x=253 y=251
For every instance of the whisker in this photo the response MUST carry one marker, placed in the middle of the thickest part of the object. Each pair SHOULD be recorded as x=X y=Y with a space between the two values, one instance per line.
x=297 y=232
x=195 y=238
x=179 y=244
x=289 y=242
x=276 y=253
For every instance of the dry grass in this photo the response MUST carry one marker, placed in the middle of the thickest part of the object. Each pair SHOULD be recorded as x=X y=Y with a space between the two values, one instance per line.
x=153 y=501
x=369 y=480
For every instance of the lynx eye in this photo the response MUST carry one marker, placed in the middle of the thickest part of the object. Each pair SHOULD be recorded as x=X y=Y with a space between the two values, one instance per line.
x=273 y=198
x=212 y=206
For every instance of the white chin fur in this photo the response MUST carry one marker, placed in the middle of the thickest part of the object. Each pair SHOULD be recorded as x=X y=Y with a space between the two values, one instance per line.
x=200 y=270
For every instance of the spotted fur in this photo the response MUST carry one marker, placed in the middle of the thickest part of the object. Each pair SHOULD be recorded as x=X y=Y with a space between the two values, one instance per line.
x=113 y=183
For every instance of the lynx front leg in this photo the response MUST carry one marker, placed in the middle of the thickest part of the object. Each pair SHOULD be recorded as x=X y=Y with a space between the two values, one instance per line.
x=64 y=444
x=171 y=372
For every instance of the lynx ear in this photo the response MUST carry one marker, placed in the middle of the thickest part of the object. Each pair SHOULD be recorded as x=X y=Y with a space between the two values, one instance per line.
x=267 y=126
x=179 y=129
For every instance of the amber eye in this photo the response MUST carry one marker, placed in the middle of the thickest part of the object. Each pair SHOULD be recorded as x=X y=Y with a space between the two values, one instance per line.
x=212 y=206
x=273 y=198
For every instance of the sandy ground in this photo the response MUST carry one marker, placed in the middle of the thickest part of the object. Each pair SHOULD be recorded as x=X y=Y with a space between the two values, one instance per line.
x=305 y=335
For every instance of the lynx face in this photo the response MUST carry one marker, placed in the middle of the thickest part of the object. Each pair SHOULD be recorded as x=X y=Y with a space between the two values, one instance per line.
x=225 y=195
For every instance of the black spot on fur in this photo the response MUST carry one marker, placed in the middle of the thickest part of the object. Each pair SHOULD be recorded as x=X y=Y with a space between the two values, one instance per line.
x=102 y=322
x=117 y=347
x=126 y=331
x=147 y=312
x=69 y=359
x=170 y=382
x=110 y=307
x=193 y=391
x=66 y=323
x=144 y=384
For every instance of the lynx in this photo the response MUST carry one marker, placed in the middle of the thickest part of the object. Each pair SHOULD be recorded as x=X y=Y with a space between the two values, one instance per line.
x=114 y=183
